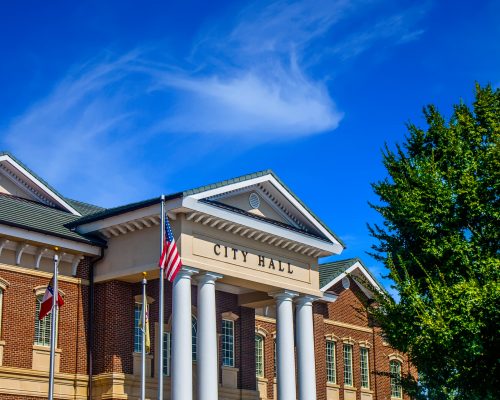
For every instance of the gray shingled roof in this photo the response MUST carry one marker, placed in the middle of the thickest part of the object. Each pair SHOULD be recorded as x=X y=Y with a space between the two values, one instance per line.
x=93 y=213
x=329 y=271
x=84 y=208
x=134 y=206
x=26 y=214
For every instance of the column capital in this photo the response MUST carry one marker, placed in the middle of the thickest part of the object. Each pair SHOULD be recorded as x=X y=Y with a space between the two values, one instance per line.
x=187 y=272
x=208 y=277
x=283 y=294
x=305 y=299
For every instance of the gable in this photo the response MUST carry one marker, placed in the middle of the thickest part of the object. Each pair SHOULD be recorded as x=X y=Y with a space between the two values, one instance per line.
x=254 y=201
x=278 y=204
x=17 y=180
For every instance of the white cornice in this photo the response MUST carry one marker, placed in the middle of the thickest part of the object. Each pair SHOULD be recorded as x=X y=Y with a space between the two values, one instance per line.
x=262 y=226
x=269 y=178
x=356 y=266
x=21 y=177
x=48 y=240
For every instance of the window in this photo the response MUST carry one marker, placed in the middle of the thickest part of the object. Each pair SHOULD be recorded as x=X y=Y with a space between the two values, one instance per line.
x=42 y=327
x=227 y=343
x=167 y=349
x=194 y=330
x=348 y=365
x=137 y=328
x=275 y=356
x=331 y=370
x=363 y=359
x=259 y=355
x=395 y=368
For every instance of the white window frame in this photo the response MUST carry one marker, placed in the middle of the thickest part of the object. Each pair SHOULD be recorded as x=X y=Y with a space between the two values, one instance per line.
x=47 y=322
x=227 y=346
x=396 y=388
x=364 y=366
x=261 y=355
x=331 y=361
x=194 y=333
x=167 y=352
x=348 y=370
x=137 y=329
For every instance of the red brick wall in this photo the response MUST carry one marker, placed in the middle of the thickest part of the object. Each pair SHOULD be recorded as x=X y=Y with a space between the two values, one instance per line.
x=113 y=327
x=349 y=308
x=114 y=305
x=18 y=322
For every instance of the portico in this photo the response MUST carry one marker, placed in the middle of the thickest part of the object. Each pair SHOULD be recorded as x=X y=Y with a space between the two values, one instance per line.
x=250 y=237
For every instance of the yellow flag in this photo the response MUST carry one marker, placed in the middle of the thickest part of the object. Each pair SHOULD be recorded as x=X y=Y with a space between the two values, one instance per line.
x=145 y=329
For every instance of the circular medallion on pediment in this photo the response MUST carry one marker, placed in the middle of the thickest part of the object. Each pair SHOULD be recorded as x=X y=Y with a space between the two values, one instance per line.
x=346 y=283
x=254 y=200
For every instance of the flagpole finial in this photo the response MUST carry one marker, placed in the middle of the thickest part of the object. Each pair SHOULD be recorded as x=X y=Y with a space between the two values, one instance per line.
x=56 y=248
x=162 y=197
x=144 y=274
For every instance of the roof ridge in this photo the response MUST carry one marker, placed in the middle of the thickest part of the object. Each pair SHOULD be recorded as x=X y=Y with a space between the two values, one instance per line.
x=229 y=181
x=343 y=261
x=84 y=203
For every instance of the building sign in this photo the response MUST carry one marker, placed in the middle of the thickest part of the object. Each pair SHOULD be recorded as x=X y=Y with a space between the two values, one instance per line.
x=250 y=258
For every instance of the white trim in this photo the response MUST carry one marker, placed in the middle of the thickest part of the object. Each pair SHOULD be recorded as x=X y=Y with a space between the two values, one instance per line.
x=283 y=191
x=123 y=218
x=262 y=226
x=357 y=265
x=49 y=240
x=39 y=184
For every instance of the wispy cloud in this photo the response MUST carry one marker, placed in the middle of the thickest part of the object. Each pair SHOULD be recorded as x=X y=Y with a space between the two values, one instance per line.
x=250 y=78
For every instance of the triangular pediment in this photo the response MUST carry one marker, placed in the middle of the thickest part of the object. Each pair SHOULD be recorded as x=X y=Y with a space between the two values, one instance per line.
x=264 y=197
x=17 y=180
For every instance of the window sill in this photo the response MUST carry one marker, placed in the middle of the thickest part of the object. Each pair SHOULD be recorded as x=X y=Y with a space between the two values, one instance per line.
x=229 y=368
x=367 y=390
x=38 y=347
x=262 y=379
x=332 y=385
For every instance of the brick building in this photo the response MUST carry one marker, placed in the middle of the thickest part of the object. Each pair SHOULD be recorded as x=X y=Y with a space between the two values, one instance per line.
x=252 y=288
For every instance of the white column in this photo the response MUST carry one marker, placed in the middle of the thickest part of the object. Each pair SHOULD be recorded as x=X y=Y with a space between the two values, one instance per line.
x=182 y=364
x=285 y=352
x=305 y=349
x=207 y=380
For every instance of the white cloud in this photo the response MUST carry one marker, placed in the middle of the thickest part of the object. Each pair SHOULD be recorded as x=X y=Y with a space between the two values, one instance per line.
x=249 y=79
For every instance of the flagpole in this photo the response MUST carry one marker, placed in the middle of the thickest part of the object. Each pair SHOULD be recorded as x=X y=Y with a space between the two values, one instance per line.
x=53 y=330
x=161 y=307
x=143 y=355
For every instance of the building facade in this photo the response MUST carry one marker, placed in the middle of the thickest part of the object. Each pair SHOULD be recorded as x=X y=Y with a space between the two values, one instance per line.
x=253 y=314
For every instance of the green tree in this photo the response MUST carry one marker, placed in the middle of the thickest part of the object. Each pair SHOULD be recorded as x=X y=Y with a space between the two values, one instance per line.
x=440 y=240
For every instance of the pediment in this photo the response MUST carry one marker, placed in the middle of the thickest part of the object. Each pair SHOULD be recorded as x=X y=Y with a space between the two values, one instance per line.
x=264 y=197
x=17 y=180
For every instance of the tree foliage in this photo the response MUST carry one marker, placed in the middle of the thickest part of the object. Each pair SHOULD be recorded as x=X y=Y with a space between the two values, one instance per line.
x=440 y=240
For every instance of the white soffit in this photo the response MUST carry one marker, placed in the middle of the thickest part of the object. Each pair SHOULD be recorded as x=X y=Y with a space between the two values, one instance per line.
x=48 y=240
x=31 y=183
x=193 y=202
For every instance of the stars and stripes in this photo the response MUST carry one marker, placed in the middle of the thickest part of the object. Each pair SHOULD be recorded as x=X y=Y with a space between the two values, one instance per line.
x=170 y=261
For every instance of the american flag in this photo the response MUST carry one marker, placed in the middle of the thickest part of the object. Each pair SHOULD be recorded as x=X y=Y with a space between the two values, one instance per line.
x=170 y=261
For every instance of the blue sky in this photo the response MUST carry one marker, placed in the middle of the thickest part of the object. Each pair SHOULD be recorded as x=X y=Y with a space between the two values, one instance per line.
x=119 y=101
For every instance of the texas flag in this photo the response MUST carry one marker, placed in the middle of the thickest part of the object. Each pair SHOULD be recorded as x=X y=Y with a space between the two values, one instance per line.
x=46 y=306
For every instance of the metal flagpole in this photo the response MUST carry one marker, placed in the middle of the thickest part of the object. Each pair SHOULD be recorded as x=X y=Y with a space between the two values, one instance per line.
x=161 y=301
x=143 y=355
x=53 y=330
